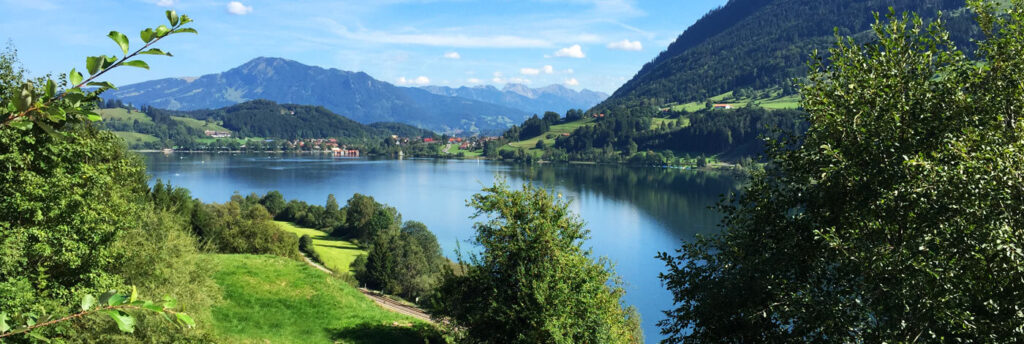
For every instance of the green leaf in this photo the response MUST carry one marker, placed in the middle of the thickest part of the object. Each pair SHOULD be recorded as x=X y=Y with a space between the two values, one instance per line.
x=185 y=319
x=186 y=29
x=162 y=31
x=92 y=63
x=146 y=35
x=21 y=124
x=102 y=84
x=51 y=88
x=94 y=117
x=23 y=100
x=120 y=39
x=47 y=128
x=38 y=336
x=170 y=302
x=105 y=297
x=153 y=307
x=109 y=62
x=155 y=51
x=116 y=300
x=136 y=63
x=75 y=77
x=56 y=115
x=4 y=327
x=172 y=17
x=88 y=301
x=185 y=19
x=134 y=295
x=124 y=321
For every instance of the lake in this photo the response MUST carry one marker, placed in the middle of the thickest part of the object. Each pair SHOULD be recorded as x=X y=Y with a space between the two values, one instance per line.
x=632 y=213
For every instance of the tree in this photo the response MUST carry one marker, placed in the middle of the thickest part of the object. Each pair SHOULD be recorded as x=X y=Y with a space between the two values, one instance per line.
x=552 y=118
x=895 y=218
x=72 y=202
x=533 y=282
x=273 y=201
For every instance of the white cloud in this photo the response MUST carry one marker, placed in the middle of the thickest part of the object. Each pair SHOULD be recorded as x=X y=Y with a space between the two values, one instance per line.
x=574 y=51
x=497 y=74
x=165 y=3
x=474 y=81
x=529 y=71
x=454 y=55
x=238 y=8
x=549 y=69
x=446 y=39
x=524 y=81
x=626 y=45
x=569 y=71
x=418 y=81
x=572 y=82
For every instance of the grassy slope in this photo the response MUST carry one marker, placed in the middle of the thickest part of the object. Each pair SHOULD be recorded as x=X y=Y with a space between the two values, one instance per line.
x=336 y=254
x=124 y=115
x=555 y=130
x=198 y=124
x=135 y=139
x=787 y=102
x=269 y=299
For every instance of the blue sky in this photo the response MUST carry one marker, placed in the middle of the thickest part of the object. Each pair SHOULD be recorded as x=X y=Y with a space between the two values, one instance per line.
x=595 y=44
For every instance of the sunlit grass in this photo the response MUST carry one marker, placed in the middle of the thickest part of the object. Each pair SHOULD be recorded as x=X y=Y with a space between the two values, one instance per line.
x=270 y=299
x=337 y=254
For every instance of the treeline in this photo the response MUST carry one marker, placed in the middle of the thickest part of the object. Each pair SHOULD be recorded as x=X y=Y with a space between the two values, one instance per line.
x=404 y=258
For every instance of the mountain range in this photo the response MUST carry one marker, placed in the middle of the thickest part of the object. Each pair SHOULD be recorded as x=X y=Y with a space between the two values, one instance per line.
x=355 y=95
x=555 y=98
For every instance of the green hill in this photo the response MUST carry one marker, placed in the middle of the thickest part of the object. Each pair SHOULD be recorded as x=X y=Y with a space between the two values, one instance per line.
x=752 y=45
x=553 y=133
x=269 y=299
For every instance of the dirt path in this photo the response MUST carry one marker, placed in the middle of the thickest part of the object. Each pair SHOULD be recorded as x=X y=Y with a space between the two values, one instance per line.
x=381 y=301
x=396 y=307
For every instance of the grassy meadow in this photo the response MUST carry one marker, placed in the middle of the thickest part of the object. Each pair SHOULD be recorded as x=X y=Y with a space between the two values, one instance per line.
x=270 y=299
x=337 y=254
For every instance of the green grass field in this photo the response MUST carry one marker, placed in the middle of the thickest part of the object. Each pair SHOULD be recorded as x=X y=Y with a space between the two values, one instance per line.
x=123 y=115
x=555 y=131
x=337 y=254
x=774 y=103
x=135 y=139
x=198 y=124
x=269 y=299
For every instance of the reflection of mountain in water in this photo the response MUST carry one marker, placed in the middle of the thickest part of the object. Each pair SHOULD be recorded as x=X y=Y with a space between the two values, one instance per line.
x=679 y=199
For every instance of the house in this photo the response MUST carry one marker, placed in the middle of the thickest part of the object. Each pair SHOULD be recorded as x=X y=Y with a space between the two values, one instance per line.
x=428 y=140
x=722 y=106
x=217 y=134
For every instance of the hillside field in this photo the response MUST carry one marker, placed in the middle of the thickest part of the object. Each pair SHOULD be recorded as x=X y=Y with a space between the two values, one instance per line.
x=337 y=254
x=555 y=131
x=270 y=299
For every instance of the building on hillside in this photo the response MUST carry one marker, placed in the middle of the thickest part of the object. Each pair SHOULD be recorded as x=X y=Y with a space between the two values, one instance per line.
x=722 y=106
x=217 y=134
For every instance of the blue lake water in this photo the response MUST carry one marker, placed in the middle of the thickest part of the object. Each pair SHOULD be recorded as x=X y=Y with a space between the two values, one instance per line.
x=632 y=213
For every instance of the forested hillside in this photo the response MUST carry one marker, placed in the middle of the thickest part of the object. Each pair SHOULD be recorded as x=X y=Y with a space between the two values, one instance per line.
x=759 y=44
x=254 y=119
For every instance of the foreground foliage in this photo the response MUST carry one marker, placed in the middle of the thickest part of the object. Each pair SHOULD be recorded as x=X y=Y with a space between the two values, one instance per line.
x=534 y=282
x=897 y=217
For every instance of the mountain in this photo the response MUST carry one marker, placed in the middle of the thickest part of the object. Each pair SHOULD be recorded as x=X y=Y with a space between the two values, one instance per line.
x=759 y=45
x=355 y=95
x=531 y=100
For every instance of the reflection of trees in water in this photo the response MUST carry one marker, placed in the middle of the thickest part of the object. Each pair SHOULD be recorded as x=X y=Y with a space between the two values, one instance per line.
x=677 y=198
